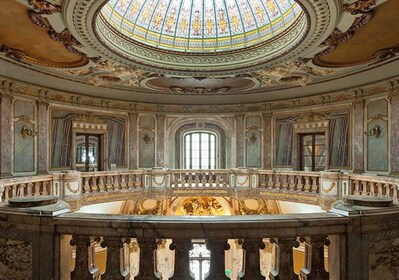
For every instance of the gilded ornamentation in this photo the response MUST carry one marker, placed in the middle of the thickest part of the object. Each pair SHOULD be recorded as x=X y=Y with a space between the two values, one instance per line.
x=141 y=210
x=262 y=208
x=201 y=206
x=14 y=54
x=330 y=188
x=68 y=185
x=312 y=117
x=44 y=7
x=199 y=90
x=360 y=7
x=291 y=73
x=89 y=118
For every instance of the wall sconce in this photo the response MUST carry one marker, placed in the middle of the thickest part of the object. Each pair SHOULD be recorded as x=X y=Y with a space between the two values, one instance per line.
x=375 y=131
x=25 y=131
x=147 y=138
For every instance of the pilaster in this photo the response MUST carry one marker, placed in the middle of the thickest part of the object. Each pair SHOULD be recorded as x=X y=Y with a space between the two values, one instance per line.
x=160 y=144
x=267 y=141
x=133 y=140
x=358 y=133
x=42 y=137
x=240 y=139
x=394 y=128
x=6 y=133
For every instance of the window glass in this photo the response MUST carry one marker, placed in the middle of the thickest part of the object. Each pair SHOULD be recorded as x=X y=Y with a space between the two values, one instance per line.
x=200 y=150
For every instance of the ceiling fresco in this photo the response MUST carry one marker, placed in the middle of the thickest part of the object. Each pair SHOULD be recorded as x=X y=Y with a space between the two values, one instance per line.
x=206 y=48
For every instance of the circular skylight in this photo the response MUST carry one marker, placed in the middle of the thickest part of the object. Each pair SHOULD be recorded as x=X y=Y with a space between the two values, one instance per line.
x=200 y=25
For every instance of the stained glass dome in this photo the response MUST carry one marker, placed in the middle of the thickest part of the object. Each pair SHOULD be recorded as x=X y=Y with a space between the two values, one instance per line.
x=200 y=25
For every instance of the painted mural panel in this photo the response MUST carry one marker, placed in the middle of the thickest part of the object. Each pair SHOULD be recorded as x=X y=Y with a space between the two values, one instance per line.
x=147 y=141
x=24 y=142
x=253 y=143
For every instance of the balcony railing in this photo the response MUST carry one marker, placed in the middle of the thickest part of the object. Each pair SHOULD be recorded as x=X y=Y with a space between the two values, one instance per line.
x=93 y=187
x=37 y=243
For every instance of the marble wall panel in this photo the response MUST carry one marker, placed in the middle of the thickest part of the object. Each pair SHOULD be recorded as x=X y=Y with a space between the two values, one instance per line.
x=15 y=259
x=24 y=146
x=253 y=141
x=377 y=145
x=383 y=259
x=146 y=141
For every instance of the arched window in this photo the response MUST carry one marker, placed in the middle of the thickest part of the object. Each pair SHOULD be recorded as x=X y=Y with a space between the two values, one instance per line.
x=200 y=150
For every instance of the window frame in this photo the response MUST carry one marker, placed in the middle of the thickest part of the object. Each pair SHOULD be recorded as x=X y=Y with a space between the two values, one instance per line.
x=183 y=147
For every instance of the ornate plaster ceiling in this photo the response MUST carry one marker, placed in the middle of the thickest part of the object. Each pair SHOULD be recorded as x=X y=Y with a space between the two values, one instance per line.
x=79 y=46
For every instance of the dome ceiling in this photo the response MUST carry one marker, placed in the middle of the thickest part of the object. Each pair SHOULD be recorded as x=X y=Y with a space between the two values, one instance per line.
x=200 y=25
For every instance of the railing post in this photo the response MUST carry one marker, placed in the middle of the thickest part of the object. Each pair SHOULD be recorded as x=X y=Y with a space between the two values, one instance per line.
x=72 y=189
x=81 y=271
x=314 y=258
x=182 y=267
x=147 y=259
x=251 y=267
x=113 y=271
x=284 y=264
x=217 y=248
x=330 y=188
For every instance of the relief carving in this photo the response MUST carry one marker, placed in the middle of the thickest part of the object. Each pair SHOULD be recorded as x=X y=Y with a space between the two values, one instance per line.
x=14 y=54
x=15 y=259
x=44 y=7
x=360 y=7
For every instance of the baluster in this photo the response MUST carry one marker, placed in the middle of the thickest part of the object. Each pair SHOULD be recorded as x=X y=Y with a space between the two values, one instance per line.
x=284 y=184
x=252 y=249
x=315 y=185
x=379 y=187
x=130 y=184
x=203 y=179
x=14 y=191
x=262 y=179
x=387 y=190
x=95 y=271
x=101 y=184
x=182 y=267
x=395 y=193
x=190 y=179
x=217 y=181
x=109 y=183
x=356 y=191
x=137 y=184
x=21 y=190
x=94 y=187
x=270 y=183
x=197 y=179
x=30 y=186
x=86 y=186
x=299 y=186
x=217 y=269
x=46 y=188
x=210 y=179
x=292 y=182
x=364 y=188
x=123 y=182
x=284 y=264
x=6 y=193
x=81 y=271
x=37 y=188
x=372 y=186
x=147 y=259
x=277 y=183
x=113 y=271
x=116 y=182
x=225 y=180
x=307 y=184
x=314 y=258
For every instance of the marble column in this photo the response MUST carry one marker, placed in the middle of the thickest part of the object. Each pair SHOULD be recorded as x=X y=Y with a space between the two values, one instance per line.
x=133 y=140
x=42 y=137
x=115 y=249
x=240 y=139
x=358 y=136
x=217 y=269
x=314 y=258
x=182 y=262
x=160 y=148
x=267 y=141
x=284 y=264
x=394 y=128
x=252 y=249
x=147 y=259
x=6 y=135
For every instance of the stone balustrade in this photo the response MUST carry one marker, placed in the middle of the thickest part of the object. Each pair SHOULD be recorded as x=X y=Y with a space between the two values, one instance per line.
x=318 y=188
x=354 y=238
